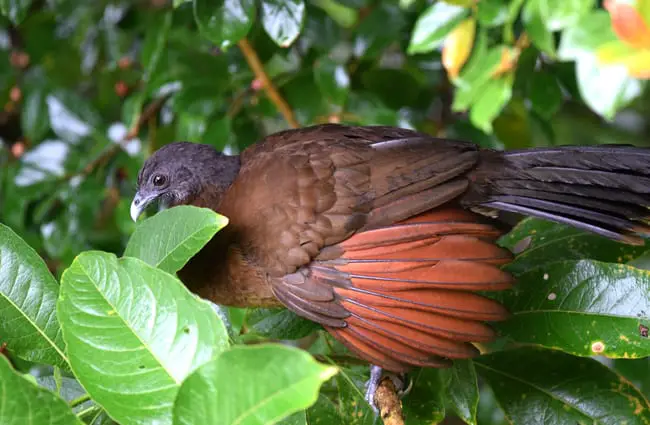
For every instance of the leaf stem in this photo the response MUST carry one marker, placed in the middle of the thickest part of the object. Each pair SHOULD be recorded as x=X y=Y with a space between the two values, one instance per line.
x=88 y=411
x=258 y=69
x=79 y=400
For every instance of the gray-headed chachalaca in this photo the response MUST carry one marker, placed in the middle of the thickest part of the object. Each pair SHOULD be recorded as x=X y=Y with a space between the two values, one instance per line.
x=383 y=235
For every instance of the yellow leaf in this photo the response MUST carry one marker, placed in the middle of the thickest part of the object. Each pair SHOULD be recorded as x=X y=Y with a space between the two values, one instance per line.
x=458 y=46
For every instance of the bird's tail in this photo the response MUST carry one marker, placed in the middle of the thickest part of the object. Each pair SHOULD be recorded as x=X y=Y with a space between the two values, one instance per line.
x=601 y=189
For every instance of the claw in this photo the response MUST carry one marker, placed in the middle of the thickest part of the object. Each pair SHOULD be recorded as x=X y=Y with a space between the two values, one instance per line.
x=376 y=376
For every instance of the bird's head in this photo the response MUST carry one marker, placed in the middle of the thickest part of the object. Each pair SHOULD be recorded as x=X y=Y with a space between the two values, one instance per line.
x=178 y=172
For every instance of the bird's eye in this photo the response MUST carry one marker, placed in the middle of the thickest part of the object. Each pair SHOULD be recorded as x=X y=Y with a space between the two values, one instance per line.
x=159 y=180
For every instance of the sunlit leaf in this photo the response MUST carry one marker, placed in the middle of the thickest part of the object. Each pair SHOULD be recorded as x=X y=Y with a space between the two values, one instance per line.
x=224 y=22
x=489 y=103
x=458 y=46
x=433 y=25
x=170 y=238
x=133 y=334
x=286 y=380
x=28 y=293
x=283 y=20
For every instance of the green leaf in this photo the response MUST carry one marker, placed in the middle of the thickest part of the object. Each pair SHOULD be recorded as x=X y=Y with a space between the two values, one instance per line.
x=535 y=386
x=154 y=43
x=218 y=133
x=224 y=22
x=33 y=119
x=22 y=402
x=332 y=79
x=492 y=13
x=323 y=411
x=591 y=32
x=170 y=238
x=545 y=94
x=28 y=295
x=15 y=10
x=489 y=103
x=482 y=64
x=560 y=14
x=462 y=391
x=539 y=33
x=605 y=89
x=539 y=242
x=426 y=403
x=279 y=324
x=583 y=307
x=133 y=334
x=283 y=20
x=264 y=384
x=433 y=25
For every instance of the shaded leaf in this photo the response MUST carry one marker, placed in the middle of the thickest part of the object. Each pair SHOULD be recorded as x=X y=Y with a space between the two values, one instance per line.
x=426 y=403
x=535 y=386
x=283 y=20
x=492 y=13
x=154 y=43
x=462 y=392
x=279 y=324
x=583 y=307
x=539 y=242
x=170 y=238
x=433 y=25
x=286 y=381
x=332 y=79
x=22 y=402
x=28 y=295
x=545 y=94
x=224 y=22
x=15 y=10
x=133 y=334
x=34 y=120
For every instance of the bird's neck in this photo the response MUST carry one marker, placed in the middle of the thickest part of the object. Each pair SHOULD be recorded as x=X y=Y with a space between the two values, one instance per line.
x=216 y=180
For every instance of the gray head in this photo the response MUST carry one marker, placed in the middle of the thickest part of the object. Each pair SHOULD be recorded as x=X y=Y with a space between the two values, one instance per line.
x=179 y=172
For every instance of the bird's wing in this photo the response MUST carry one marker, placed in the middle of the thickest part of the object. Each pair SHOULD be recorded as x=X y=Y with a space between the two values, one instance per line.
x=317 y=195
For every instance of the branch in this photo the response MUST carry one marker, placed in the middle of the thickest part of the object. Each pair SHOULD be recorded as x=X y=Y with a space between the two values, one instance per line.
x=270 y=89
x=389 y=404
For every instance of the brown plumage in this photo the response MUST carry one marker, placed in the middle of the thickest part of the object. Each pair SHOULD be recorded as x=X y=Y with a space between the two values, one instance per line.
x=383 y=235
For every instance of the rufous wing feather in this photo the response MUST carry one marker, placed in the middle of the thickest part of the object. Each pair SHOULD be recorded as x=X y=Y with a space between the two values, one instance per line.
x=405 y=294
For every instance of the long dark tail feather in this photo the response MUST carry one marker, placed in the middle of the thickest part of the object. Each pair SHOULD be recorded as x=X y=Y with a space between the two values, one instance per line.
x=600 y=189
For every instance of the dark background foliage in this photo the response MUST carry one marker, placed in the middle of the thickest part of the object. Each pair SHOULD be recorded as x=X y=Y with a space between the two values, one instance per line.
x=89 y=89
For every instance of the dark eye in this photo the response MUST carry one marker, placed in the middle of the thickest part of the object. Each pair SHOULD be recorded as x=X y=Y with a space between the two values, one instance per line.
x=159 y=180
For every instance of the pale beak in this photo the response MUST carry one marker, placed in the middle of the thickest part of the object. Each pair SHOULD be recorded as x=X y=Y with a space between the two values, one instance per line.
x=139 y=204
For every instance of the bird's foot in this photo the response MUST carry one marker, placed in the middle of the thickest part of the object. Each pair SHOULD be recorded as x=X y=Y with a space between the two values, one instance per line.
x=376 y=375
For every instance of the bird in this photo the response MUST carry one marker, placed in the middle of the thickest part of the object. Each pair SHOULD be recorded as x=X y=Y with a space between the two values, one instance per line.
x=385 y=236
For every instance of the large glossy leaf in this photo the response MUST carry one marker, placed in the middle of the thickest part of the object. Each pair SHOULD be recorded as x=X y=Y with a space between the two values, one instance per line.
x=251 y=385
x=28 y=292
x=170 y=238
x=22 y=402
x=224 y=22
x=133 y=333
x=584 y=307
x=537 y=242
x=283 y=20
x=536 y=386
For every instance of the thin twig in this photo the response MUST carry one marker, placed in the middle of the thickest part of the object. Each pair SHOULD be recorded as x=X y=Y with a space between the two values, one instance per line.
x=389 y=404
x=272 y=92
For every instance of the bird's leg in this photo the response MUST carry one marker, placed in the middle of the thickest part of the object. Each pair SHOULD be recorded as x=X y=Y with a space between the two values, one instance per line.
x=376 y=376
